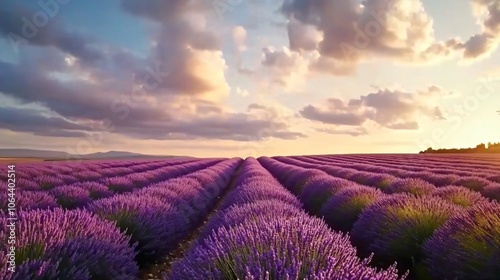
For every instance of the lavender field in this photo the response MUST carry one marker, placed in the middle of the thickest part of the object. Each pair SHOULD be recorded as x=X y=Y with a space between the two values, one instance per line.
x=297 y=217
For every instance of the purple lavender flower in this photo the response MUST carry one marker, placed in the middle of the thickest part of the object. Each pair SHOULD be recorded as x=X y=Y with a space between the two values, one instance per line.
x=88 y=175
x=29 y=200
x=58 y=243
x=494 y=178
x=319 y=189
x=492 y=191
x=467 y=246
x=240 y=213
x=395 y=227
x=473 y=183
x=68 y=179
x=297 y=181
x=362 y=177
x=95 y=189
x=155 y=225
x=71 y=197
x=47 y=182
x=458 y=195
x=413 y=186
x=119 y=184
x=440 y=180
x=297 y=248
x=28 y=185
x=45 y=270
x=185 y=182
x=381 y=181
x=341 y=211
x=256 y=191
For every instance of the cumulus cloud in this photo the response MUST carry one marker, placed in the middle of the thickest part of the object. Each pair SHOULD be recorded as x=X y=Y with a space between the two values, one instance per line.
x=349 y=32
x=391 y=109
x=175 y=92
x=284 y=67
x=185 y=47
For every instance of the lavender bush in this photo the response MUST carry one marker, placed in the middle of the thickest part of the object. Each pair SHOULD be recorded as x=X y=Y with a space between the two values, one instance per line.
x=341 y=211
x=467 y=246
x=62 y=244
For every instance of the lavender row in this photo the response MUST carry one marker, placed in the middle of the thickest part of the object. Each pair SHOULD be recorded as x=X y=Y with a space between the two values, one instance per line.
x=425 y=161
x=399 y=170
x=489 y=161
x=383 y=179
x=80 y=194
x=412 y=230
x=108 y=238
x=159 y=216
x=69 y=168
x=260 y=232
x=410 y=166
x=40 y=178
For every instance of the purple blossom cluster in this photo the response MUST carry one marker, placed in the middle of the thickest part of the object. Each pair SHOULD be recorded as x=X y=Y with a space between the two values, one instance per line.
x=267 y=237
x=467 y=246
x=458 y=195
x=100 y=219
x=341 y=211
x=394 y=227
x=71 y=197
x=357 y=172
x=301 y=247
x=158 y=217
x=417 y=187
x=67 y=244
x=29 y=200
x=492 y=191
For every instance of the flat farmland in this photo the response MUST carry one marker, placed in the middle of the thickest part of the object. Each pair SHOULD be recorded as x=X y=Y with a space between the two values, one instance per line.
x=370 y=216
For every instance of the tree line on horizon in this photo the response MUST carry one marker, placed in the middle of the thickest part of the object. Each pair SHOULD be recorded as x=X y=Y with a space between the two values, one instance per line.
x=481 y=148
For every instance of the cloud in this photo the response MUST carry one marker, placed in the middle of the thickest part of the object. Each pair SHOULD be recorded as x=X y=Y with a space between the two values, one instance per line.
x=185 y=47
x=303 y=36
x=343 y=131
x=16 y=24
x=346 y=33
x=392 y=109
x=240 y=38
x=175 y=92
x=285 y=68
x=330 y=115
x=38 y=123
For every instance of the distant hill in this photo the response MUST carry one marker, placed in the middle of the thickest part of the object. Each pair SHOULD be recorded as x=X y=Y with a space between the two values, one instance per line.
x=29 y=153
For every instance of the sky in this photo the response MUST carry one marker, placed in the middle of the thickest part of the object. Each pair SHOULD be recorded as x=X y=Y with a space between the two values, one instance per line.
x=213 y=78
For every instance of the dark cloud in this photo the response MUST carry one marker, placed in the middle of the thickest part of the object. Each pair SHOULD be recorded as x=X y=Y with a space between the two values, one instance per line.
x=80 y=101
x=17 y=25
x=332 y=117
x=32 y=121
x=235 y=126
